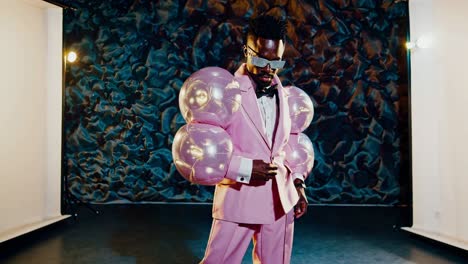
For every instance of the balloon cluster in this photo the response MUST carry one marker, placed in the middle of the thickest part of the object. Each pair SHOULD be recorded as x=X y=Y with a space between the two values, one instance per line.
x=201 y=153
x=209 y=96
x=299 y=149
x=301 y=109
x=300 y=153
x=202 y=149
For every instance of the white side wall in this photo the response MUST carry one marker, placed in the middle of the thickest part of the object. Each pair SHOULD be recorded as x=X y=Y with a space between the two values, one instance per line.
x=30 y=114
x=439 y=95
x=54 y=110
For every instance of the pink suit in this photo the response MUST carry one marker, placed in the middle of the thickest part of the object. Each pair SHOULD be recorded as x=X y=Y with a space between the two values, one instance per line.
x=262 y=210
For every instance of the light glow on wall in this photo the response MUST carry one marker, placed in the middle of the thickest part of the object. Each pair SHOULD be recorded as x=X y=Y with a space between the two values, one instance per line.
x=72 y=56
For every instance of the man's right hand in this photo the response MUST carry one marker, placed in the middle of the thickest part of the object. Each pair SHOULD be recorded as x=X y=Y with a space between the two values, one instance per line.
x=262 y=171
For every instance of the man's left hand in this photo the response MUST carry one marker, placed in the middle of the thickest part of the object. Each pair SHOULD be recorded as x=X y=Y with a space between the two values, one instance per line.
x=301 y=207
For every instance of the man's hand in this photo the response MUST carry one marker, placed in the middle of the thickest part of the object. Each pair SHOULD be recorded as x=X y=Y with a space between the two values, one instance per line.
x=301 y=207
x=262 y=171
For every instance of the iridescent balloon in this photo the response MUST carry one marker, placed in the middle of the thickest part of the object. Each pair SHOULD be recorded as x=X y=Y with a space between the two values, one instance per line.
x=300 y=153
x=209 y=96
x=202 y=152
x=301 y=109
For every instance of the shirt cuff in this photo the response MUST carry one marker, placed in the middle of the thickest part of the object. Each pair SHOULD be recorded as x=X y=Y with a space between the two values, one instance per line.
x=245 y=170
x=297 y=175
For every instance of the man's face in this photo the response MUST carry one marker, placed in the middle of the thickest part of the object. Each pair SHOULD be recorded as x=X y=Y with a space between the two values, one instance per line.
x=269 y=49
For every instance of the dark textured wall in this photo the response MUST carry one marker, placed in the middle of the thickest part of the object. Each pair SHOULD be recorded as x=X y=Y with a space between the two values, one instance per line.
x=121 y=97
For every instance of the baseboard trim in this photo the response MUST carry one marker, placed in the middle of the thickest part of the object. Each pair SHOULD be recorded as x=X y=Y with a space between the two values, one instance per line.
x=438 y=237
x=18 y=231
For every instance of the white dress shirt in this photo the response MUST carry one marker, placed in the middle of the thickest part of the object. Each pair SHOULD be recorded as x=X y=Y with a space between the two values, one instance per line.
x=267 y=106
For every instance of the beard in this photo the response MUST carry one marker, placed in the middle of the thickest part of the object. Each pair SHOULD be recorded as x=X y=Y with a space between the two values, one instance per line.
x=262 y=80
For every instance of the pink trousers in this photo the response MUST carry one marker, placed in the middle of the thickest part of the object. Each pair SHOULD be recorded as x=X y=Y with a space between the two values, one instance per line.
x=272 y=242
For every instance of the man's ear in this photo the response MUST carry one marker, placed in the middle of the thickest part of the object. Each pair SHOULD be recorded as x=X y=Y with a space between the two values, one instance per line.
x=244 y=49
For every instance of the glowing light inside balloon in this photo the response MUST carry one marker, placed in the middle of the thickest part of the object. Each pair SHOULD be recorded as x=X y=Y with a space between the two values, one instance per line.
x=303 y=109
x=201 y=97
x=211 y=150
x=196 y=152
x=233 y=85
x=217 y=94
x=295 y=155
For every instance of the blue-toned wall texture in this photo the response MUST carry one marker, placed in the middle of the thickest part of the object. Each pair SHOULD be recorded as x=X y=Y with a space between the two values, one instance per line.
x=121 y=96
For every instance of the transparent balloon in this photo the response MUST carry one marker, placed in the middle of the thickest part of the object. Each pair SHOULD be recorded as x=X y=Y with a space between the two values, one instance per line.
x=202 y=152
x=300 y=153
x=301 y=109
x=210 y=96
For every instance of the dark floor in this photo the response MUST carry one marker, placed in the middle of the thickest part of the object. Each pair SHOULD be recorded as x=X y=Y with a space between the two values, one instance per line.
x=168 y=233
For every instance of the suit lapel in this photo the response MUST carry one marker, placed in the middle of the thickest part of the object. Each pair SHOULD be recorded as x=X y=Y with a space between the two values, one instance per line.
x=283 y=126
x=250 y=106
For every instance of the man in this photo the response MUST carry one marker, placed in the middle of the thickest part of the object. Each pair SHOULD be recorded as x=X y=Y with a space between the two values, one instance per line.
x=260 y=196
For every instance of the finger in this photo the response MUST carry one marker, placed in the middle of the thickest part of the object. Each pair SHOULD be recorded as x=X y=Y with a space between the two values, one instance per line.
x=272 y=172
x=298 y=212
x=272 y=166
x=304 y=207
x=300 y=209
x=270 y=175
x=268 y=168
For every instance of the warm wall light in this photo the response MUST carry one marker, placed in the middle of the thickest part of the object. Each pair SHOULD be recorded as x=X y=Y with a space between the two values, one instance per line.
x=410 y=45
x=422 y=42
x=72 y=56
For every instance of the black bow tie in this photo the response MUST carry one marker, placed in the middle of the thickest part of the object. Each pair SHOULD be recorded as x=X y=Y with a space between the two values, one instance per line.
x=269 y=92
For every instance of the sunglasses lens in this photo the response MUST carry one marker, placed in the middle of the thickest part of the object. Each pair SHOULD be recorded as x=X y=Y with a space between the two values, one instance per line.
x=277 y=64
x=261 y=62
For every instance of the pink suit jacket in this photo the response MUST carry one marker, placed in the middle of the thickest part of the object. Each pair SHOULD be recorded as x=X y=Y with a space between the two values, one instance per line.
x=255 y=203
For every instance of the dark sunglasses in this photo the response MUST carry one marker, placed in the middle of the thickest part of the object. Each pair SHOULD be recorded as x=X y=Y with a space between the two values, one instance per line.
x=261 y=62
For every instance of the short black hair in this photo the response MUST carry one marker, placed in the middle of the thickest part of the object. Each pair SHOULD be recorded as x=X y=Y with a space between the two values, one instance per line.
x=267 y=27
